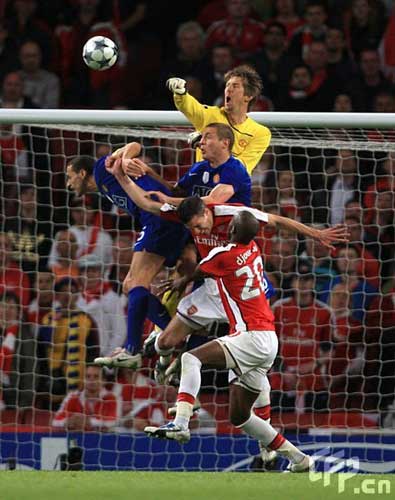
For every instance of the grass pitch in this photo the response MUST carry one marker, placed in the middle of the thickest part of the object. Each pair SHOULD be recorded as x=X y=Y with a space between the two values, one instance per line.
x=37 y=485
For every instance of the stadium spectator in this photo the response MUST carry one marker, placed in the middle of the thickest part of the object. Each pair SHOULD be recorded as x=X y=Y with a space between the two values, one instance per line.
x=297 y=96
x=348 y=264
x=314 y=29
x=189 y=55
x=364 y=25
x=142 y=400
x=353 y=208
x=380 y=233
x=40 y=85
x=67 y=340
x=341 y=187
x=30 y=237
x=379 y=370
x=238 y=29
x=122 y=257
x=384 y=181
x=369 y=267
x=324 y=86
x=340 y=64
x=44 y=300
x=384 y=102
x=12 y=95
x=12 y=278
x=322 y=265
x=369 y=82
x=346 y=362
x=91 y=239
x=91 y=409
x=17 y=361
x=25 y=26
x=221 y=61
x=210 y=13
x=66 y=248
x=9 y=328
x=285 y=13
x=100 y=301
x=386 y=48
x=282 y=263
x=15 y=167
x=286 y=194
x=343 y=103
x=272 y=62
x=304 y=329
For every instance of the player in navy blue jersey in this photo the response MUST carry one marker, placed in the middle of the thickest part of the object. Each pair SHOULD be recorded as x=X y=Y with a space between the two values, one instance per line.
x=154 y=248
x=219 y=178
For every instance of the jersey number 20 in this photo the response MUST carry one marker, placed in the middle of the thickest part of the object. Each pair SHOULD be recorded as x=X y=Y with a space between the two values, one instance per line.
x=255 y=271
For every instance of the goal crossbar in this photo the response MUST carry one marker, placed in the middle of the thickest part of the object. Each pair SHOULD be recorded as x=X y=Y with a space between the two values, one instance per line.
x=152 y=118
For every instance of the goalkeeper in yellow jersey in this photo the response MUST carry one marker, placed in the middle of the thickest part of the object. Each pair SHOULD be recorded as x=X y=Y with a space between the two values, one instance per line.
x=242 y=86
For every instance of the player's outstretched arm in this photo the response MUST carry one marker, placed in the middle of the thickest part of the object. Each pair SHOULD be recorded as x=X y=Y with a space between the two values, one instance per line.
x=220 y=194
x=140 y=197
x=328 y=236
x=131 y=166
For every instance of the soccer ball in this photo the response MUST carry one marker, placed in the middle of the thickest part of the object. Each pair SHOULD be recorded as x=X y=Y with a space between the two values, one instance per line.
x=100 y=53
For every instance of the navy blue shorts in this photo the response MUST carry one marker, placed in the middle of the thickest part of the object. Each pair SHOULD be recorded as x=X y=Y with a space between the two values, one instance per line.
x=163 y=238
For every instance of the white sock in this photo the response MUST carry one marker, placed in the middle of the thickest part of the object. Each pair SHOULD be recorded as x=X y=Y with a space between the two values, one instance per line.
x=265 y=433
x=288 y=450
x=189 y=388
x=259 y=429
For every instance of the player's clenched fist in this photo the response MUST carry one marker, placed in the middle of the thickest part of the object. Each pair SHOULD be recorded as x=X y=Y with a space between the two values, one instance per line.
x=176 y=85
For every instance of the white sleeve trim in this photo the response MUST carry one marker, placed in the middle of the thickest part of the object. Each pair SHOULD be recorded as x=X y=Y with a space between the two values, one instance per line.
x=215 y=251
x=222 y=210
x=166 y=207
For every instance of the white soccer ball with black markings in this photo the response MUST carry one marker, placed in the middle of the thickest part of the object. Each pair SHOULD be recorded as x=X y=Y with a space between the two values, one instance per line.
x=100 y=53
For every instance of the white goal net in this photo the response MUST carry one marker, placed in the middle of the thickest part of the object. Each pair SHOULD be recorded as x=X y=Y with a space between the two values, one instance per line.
x=63 y=259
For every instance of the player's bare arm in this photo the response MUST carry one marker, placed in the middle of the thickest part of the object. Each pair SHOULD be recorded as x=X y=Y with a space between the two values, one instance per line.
x=139 y=196
x=135 y=165
x=220 y=194
x=328 y=236
x=130 y=150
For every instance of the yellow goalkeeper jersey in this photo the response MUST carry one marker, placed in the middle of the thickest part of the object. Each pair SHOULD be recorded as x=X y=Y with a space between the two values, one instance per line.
x=251 y=138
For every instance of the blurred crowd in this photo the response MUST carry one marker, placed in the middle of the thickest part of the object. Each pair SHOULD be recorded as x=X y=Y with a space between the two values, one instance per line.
x=311 y=55
x=63 y=260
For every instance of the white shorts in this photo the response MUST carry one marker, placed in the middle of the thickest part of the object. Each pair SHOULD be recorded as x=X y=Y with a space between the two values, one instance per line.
x=202 y=307
x=253 y=354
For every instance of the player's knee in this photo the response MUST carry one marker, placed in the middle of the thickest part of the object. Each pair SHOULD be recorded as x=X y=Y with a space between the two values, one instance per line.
x=188 y=359
x=165 y=341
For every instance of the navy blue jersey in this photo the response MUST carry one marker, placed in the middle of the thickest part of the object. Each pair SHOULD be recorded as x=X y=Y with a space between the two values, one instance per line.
x=157 y=235
x=201 y=179
x=109 y=187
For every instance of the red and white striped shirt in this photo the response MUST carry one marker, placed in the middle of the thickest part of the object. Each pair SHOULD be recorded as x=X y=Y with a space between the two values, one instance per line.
x=238 y=269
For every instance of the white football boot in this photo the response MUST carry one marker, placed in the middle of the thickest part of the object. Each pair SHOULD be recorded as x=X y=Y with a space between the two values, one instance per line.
x=169 y=431
x=120 y=358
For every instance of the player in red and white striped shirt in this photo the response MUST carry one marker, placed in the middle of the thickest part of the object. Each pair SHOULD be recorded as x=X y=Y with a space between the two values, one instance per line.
x=248 y=352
